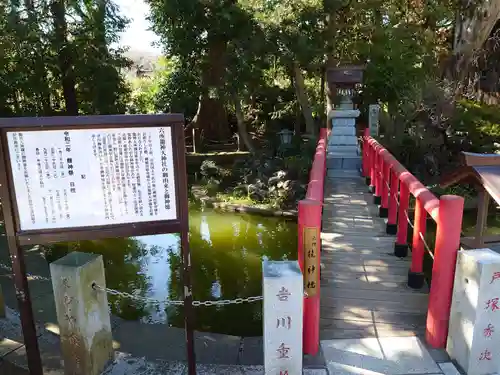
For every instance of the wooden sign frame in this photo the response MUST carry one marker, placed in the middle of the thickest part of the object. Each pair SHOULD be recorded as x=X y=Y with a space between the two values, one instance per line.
x=17 y=238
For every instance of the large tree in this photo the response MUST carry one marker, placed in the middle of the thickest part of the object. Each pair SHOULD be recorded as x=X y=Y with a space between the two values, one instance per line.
x=199 y=34
x=56 y=58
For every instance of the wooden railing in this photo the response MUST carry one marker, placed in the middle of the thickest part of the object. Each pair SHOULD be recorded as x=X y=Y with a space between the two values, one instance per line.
x=392 y=184
x=309 y=244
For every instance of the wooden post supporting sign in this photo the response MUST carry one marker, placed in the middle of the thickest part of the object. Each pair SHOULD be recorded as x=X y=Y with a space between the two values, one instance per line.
x=89 y=178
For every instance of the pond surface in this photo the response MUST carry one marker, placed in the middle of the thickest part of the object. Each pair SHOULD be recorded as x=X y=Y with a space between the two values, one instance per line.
x=226 y=255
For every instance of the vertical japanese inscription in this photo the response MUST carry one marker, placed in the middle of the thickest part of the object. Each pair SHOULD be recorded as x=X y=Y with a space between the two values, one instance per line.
x=491 y=306
x=311 y=260
x=87 y=177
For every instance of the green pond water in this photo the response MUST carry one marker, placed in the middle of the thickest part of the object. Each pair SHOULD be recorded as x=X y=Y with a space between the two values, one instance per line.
x=226 y=254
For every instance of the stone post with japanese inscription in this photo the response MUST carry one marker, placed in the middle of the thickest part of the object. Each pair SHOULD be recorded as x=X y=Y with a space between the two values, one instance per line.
x=82 y=313
x=283 y=315
x=474 y=330
x=373 y=119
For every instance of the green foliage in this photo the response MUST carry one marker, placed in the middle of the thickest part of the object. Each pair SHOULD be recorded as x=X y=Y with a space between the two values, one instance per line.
x=178 y=92
x=479 y=125
x=397 y=65
x=45 y=43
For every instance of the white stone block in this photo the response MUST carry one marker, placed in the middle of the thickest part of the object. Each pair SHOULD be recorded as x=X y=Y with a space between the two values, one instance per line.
x=283 y=300
x=82 y=313
x=474 y=329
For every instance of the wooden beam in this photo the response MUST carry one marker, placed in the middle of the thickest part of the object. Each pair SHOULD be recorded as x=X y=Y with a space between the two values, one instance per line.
x=482 y=217
x=461 y=175
x=468 y=243
x=476 y=160
x=491 y=239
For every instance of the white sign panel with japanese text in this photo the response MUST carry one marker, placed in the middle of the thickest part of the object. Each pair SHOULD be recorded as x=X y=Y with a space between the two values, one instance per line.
x=474 y=331
x=283 y=306
x=92 y=177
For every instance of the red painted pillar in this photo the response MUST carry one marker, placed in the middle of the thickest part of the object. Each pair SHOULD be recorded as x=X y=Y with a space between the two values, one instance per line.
x=416 y=274
x=373 y=168
x=391 y=227
x=401 y=246
x=366 y=156
x=377 y=196
x=383 y=210
x=449 y=227
x=309 y=224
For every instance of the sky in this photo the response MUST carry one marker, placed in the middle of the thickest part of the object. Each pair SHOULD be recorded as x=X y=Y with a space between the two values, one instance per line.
x=137 y=36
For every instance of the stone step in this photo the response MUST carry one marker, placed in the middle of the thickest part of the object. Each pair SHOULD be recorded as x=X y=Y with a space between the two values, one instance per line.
x=342 y=140
x=346 y=162
x=343 y=130
x=343 y=150
x=339 y=173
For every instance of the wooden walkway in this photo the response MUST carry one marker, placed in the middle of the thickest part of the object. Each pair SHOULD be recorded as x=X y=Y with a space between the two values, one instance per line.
x=363 y=285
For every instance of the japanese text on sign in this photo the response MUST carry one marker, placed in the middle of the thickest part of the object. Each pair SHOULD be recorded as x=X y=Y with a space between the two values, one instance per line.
x=311 y=260
x=90 y=177
x=491 y=305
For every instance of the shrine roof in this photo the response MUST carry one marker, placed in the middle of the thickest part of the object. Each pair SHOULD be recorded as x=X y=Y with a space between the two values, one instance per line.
x=483 y=169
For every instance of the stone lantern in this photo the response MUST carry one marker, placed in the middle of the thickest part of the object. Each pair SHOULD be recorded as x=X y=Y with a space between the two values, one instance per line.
x=343 y=150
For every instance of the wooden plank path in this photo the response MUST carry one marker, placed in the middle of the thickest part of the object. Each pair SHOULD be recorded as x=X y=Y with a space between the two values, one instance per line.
x=363 y=285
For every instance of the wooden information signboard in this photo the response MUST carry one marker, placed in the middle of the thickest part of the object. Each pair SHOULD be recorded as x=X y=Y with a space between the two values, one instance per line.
x=87 y=178
x=311 y=263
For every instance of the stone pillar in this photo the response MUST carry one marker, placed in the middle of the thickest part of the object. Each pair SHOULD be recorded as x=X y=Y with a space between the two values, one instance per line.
x=474 y=329
x=373 y=119
x=82 y=313
x=283 y=314
x=2 y=304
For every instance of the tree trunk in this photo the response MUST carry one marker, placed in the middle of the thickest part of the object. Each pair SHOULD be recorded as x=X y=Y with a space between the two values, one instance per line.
x=40 y=72
x=65 y=60
x=474 y=24
x=300 y=89
x=242 y=127
x=211 y=117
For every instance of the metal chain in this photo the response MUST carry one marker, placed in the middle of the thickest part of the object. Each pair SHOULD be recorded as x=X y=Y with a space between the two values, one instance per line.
x=167 y=302
x=133 y=297
x=236 y=301
x=30 y=275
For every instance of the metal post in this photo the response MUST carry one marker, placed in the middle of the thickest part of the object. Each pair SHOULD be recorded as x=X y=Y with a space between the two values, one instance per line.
x=188 y=303
x=20 y=279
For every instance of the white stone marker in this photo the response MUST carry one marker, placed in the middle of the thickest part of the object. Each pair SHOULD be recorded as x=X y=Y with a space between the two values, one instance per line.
x=474 y=330
x=373 y=119
x=283 y=300
x=82 y=313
